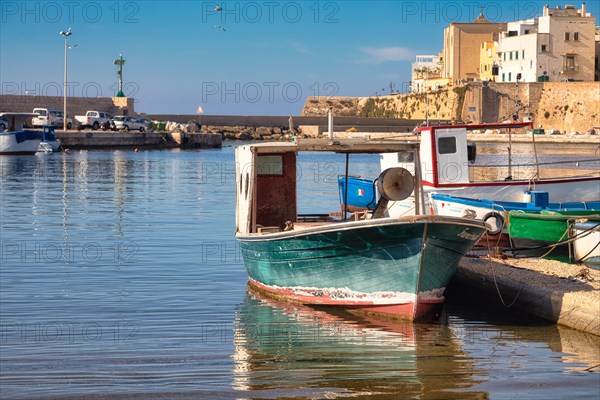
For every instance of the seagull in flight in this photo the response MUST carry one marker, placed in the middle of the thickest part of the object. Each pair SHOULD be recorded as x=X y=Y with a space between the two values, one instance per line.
x=218 y=8
x=221 y=27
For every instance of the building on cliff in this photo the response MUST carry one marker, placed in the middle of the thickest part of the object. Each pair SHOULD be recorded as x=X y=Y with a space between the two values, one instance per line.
x=558 y=46
x=427 y=73
x=462 y=42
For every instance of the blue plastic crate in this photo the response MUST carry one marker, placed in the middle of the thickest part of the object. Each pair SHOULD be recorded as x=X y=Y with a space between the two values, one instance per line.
x=361 y=192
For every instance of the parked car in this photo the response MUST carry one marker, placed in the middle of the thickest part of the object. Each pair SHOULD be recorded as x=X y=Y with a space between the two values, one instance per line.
x=3 y=125
x=123 y=122
x=149 y=125
x=94 y=119
x=47 y=116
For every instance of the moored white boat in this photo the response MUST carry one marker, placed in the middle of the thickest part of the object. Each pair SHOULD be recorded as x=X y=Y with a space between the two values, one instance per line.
x=17 y=140
x=49 y=143
x=586 y=246
x=494 y=212
x=446 y=164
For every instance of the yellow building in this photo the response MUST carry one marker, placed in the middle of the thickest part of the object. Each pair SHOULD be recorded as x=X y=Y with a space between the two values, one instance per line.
x=487 y=58
x=462 y=47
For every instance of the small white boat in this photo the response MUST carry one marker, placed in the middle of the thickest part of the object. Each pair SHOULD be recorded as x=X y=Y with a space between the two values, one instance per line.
x=17 y=140
x=586 y=247
x=494 y=213
x=49 y=143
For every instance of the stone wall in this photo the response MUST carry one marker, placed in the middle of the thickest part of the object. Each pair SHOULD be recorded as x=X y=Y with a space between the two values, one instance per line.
x=75 y=105
x=565 y=106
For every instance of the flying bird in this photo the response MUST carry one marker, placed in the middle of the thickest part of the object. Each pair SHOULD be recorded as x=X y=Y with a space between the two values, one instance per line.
x=221 y=27
x=218 y=8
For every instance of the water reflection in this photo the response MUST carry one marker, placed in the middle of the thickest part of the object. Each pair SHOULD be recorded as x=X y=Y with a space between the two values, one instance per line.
x=280 y=347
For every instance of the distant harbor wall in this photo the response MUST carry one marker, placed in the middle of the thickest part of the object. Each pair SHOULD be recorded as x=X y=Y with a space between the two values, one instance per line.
x=564 y=106
x=109 y=139
x=75 y=105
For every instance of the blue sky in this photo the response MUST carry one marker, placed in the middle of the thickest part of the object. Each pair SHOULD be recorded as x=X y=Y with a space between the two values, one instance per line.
x=251 y=58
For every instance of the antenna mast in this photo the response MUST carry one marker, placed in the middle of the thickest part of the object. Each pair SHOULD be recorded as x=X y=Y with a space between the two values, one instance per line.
x=119 y=63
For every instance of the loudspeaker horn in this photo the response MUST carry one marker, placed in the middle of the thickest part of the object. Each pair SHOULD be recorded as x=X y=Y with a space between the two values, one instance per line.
x=395 y=184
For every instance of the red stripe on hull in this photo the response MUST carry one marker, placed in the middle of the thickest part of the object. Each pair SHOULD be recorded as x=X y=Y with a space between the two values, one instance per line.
x=404 y=310
x=510 y=183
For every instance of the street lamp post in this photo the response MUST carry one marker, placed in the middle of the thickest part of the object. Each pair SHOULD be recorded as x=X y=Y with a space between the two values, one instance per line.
x=65 y=35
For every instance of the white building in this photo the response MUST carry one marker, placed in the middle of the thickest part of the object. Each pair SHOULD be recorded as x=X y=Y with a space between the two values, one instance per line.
x=426 y=73
x=558 y=46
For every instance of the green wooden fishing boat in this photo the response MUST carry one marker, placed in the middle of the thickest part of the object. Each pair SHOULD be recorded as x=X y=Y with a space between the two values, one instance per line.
x=370 y=263
x=534 y=233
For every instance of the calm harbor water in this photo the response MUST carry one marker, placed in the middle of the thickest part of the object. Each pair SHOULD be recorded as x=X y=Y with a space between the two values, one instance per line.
x=120 y=278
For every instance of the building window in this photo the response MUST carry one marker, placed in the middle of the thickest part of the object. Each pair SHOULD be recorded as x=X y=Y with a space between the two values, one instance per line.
x=544 y=48
x=526 y=31
x=511 y=56
x=523 y=54
x=510 y=76
x=517 y=55
x=504 y=55
x=567 y=36
x=503 y=80
x=569 y=64
x=575 y=36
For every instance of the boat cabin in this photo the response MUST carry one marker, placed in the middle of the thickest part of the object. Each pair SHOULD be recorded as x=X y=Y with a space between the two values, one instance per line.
x=16 y=121
x=266 y=179
x=444 y=152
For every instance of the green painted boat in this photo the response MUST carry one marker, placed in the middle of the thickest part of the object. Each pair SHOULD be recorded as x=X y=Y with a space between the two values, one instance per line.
x=375 y=264
x=533 y=233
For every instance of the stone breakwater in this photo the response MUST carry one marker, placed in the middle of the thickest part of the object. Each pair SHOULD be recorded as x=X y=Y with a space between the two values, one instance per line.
x=267 y=133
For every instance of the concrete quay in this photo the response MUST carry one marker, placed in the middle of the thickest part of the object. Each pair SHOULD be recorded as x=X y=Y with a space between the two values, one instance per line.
x=110 y=139
x=565 y=294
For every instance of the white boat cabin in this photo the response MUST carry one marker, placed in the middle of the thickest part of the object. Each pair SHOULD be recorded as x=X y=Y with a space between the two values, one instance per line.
x=444 y=152
x=16 y=121
x=266 y=192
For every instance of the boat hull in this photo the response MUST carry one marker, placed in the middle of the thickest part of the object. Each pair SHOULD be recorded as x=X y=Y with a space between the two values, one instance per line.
x=586 y=247
x=559 y=190
x=529 y=231
x=20 y=142
x=388 y=267
x=494 y=212
x=49 y=146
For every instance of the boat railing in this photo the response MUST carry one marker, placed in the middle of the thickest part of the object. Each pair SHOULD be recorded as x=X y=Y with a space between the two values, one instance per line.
x=532 y=171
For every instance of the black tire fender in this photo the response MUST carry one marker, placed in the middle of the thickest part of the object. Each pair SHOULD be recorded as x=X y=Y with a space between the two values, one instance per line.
x=498 y=217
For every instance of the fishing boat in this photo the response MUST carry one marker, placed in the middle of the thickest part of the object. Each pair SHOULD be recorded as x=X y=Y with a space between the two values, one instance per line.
x=494 y=212
x=448 y=165
x=17 y=140
x=545 y=233
x=366 y=262
x=49 y=143
x=586 y=247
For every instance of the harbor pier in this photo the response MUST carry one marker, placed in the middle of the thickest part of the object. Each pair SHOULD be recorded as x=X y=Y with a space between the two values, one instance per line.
x=566 y=294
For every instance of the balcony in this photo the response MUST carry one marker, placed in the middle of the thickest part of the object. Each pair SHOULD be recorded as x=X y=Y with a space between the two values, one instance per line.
x=570 y=69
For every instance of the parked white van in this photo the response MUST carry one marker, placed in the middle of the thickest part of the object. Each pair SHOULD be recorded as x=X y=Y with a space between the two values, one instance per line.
x=46 y=116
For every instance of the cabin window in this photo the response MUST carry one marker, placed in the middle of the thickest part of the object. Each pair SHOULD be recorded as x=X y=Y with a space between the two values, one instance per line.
x=406 y=157
x=447 y=145
x=269 y=165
